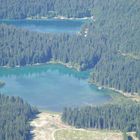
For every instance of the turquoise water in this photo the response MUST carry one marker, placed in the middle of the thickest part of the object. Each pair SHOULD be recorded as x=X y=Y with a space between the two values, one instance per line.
x=49 y=25
x=51 y=87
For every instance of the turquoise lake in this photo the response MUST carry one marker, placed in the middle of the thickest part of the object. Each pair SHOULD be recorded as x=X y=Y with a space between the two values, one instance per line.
x=49 y=25
x=52 y=87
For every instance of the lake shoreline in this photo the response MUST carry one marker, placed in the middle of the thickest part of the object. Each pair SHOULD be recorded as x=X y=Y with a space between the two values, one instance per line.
x=133 y=96
x=68 y=65
x=49 y=26
x=59 y=17
x=52 y=87
x=52 y=18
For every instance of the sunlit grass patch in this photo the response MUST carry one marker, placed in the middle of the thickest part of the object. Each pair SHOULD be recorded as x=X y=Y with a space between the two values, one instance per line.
x=87 y=135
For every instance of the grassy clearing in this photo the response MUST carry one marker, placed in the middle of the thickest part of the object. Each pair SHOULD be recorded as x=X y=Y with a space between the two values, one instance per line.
x=118 y=98
x=70 y=134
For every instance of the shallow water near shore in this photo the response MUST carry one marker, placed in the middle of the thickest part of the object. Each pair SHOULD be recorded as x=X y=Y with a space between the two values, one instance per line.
x=52 y=87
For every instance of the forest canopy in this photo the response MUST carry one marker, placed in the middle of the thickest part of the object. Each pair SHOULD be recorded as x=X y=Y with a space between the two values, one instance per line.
x=102 y=117
x=45 y=8
x=14 y=117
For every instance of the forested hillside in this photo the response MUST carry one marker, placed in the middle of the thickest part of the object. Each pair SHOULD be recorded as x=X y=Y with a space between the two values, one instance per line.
x=47 y=8
x=124 y=117
x=118 y=24
x=110 y=47
x=14 y=117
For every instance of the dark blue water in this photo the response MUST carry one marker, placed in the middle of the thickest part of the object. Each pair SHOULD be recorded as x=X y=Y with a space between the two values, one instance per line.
x=52 y=87
x=49 y=25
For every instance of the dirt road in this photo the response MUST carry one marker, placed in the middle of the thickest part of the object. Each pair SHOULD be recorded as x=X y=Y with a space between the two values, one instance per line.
x=45 y=125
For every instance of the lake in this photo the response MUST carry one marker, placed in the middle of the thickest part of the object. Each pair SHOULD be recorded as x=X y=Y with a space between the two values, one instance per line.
x=52 y=87
x=49 y=25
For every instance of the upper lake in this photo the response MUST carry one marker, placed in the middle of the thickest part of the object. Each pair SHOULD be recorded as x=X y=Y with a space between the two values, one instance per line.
x=52 y=87
x=48 y=26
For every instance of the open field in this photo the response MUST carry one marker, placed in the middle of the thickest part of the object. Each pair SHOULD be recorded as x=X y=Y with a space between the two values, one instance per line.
x=48 y=126
x=86 y=135
x=118 y=98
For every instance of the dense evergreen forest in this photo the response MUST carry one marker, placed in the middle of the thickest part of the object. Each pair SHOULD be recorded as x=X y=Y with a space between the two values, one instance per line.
x=48 y=8
x=14 y=117
x=124 y=117
x=118 y=25
x=21 y=47
x=110 y=47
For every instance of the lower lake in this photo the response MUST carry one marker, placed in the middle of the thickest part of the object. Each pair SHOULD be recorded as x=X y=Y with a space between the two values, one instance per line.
x=49 y=25
x=52 y=87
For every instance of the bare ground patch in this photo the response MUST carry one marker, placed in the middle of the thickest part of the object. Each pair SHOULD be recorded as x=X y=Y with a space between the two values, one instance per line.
x=45 y=124
x=48 y=126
